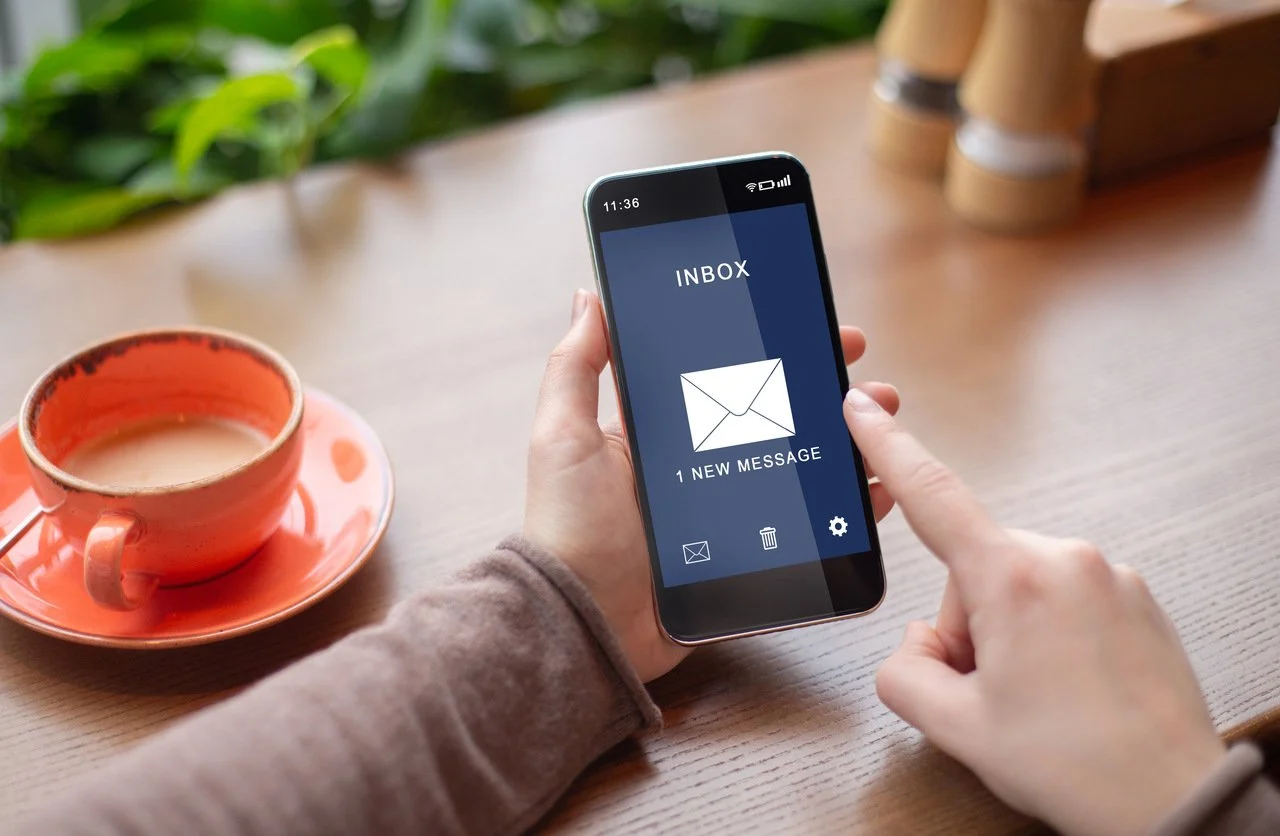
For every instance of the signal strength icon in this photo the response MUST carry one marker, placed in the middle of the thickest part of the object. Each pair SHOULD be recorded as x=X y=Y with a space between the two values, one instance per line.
x=751 y=187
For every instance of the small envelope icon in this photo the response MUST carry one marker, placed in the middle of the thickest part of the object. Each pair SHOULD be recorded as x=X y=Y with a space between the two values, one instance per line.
x=699 y=552
x=736 y=405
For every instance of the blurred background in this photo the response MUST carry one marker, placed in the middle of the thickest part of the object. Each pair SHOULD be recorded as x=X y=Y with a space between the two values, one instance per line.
x=109 y=108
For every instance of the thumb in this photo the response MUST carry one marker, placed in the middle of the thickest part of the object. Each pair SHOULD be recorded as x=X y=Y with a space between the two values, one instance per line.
x=918 y=685
x=570 y=394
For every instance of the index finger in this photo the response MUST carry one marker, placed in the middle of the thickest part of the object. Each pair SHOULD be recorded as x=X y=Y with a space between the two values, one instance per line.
x=940 y=508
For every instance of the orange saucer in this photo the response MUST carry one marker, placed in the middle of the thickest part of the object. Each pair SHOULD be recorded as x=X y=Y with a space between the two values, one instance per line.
x=339 y=511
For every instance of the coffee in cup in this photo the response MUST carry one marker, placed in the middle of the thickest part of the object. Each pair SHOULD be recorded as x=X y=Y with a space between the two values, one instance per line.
x=169 y=450
x=166 y=457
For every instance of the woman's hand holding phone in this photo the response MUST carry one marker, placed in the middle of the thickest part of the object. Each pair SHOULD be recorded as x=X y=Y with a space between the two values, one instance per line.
x=581 y=498
x=1053 y=675
x=1056 y=677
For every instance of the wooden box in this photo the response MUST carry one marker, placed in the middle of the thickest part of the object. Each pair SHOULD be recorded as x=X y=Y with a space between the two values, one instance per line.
x=1179 y=79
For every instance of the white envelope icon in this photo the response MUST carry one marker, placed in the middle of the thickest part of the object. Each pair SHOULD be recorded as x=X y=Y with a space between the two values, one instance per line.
x=736 y=405
x=699 y=552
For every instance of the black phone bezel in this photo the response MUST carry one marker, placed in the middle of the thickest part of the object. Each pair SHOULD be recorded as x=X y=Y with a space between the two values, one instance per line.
x=771 y=599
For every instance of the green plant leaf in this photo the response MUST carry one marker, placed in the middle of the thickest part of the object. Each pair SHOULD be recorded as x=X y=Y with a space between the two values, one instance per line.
x=546 y=64
x=89 y=63
x=63 y=214
x=278 y=21
x=140 y=15
x=168 y=42
x=226 y=109
x=343 y=78
x=97 y=62
x=384 y=119
x=812 y=12
x=161 y=177
x=111 y=158
x=167 y=118
x=336 y=55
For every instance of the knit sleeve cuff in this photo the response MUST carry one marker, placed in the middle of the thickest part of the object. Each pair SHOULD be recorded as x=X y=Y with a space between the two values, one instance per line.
x=1207 y=809
x=573 y=590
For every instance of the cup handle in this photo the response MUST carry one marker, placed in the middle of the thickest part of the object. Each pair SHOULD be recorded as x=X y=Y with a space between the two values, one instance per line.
x=104 y=575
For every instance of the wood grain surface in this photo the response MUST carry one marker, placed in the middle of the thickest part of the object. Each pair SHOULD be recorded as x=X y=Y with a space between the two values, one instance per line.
x=1117 y=379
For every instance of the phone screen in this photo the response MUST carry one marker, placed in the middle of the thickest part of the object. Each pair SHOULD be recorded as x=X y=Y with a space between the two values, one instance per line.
x=732 y=381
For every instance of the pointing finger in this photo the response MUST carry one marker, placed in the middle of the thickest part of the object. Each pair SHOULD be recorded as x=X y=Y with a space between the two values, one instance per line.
x=887 y=396
x=946 y=516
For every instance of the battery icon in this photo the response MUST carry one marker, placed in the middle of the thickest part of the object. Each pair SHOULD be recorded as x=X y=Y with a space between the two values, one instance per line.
x=766 y=185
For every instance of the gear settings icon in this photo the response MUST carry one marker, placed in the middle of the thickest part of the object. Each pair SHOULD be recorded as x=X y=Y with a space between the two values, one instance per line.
x=838 y=526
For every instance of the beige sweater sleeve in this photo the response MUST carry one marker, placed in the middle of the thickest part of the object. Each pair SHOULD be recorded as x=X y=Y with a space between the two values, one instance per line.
x=1234 y=800
x=469 y=711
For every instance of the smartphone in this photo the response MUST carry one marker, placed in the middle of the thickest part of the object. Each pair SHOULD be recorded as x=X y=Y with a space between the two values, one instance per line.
x=731 y=378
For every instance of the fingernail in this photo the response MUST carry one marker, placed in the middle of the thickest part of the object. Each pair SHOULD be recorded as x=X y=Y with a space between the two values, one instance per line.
x=579 y=305
x=860 y=401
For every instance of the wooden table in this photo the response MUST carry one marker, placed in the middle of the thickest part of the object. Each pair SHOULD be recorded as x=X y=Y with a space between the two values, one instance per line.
x=1118 y=379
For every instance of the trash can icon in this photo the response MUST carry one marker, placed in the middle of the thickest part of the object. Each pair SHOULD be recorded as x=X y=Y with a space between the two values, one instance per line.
x=769 y=538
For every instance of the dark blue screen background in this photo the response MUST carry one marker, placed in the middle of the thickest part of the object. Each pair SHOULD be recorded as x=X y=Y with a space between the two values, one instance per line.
x=665 y=330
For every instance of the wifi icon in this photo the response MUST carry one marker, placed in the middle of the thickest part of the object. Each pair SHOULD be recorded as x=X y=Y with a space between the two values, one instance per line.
x=751 y=187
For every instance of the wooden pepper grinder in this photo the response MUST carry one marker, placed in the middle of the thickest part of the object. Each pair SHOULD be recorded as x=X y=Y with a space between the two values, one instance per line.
x=1018 y=161
x=924 y=47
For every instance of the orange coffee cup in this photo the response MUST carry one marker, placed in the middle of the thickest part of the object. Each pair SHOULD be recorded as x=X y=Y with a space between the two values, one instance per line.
x=133 y=538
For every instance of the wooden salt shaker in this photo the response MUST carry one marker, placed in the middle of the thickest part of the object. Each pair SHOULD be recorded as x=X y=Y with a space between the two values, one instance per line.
x=924 y=47
x=1018 y=161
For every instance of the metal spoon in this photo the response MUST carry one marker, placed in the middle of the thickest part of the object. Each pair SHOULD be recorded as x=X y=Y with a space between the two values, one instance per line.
x=11 y=539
